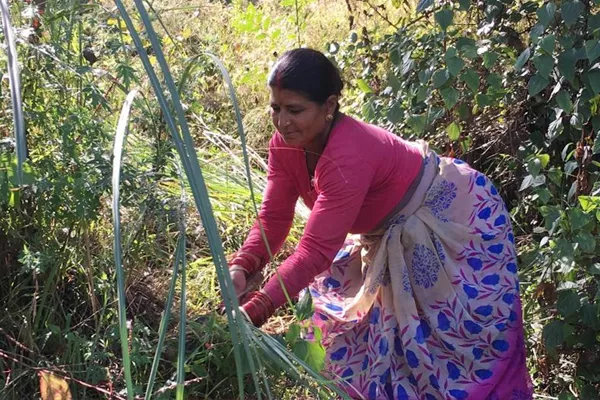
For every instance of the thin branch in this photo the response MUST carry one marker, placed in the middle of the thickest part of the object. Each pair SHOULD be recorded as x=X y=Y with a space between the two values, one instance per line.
x=384 y=17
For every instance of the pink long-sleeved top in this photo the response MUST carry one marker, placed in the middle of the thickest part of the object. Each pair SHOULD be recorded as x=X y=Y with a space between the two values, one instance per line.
x=362 y=175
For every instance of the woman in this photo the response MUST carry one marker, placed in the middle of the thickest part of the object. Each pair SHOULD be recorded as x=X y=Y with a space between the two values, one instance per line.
x=424 y=302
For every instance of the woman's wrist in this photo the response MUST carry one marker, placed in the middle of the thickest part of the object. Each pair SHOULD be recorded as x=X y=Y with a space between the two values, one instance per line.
x=259 y=307
x=246 y=261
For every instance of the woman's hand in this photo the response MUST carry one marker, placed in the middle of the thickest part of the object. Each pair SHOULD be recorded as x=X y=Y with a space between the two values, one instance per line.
x=238 y=276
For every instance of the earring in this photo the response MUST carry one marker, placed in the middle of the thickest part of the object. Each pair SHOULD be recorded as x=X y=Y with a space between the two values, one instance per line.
x=329 y=117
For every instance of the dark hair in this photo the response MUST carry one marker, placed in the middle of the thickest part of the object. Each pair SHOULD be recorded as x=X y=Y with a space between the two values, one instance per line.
x=309 y=72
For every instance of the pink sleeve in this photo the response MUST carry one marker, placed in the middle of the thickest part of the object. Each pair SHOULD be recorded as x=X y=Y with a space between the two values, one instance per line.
x=343 y=188
x=276 y=213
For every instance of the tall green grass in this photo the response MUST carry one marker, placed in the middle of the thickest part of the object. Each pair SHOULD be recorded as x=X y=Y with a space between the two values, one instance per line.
x=252 y=348
x=15 y=89
x=116 y=178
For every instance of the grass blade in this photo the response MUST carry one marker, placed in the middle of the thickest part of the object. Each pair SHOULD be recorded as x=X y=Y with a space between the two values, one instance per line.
x=164 y=322
x=117 y=159
x=182 y=320
x=15 y=90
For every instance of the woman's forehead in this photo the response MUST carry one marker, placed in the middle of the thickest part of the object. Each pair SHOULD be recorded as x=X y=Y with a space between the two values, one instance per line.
x=288 y=97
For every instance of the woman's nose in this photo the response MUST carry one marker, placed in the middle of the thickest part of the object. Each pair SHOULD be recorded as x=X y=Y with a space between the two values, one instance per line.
x=283 y=120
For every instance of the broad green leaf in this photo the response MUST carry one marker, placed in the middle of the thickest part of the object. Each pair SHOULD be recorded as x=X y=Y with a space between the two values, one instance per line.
x=589 y=203
x=570 y=166
x=596 y=146
x=450 y=97
x=534 y=167
x=423 y=5
x=544 y=159
x=444 y=18
x=464 y=111
x=425 y=75
x=592 y=49
x=570 y=11
x=576 y=121
x=556 y=175
x=293 y=334
x=368 y=110
x=565 y=255
x=453 y=130
x=312 y=353
x=572 y=190
x=544 y=64
x=536 y=84
x=489 y=59
x=553 y=334
x=544 y=195
x=592 y=81
x=440 y=77
x=464 y=5
x=363 y=86
x=522 y=59
x=563 y=99
x=423 y=94
x=577 y=219
x=546 y=13
x=304 y=307
x=417 y=123
x=586 y=241
x=548 y=43
x=467 y=47
x=594 y=23
x=555 y=129
x=483 y=100
x=454 y=65
x=393 y=81
x=566 y=64
x=434 y=114
x=526 y=183
x=568 y=303
x=471 y=78
x=407 y=63
x=537 y=31
x=590 y=316
x=395 y=114
x=552 y=216
x=568 y=331
x=495 y=81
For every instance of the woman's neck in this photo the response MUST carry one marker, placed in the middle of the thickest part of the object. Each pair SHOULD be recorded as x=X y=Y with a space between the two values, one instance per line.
x=317 y=146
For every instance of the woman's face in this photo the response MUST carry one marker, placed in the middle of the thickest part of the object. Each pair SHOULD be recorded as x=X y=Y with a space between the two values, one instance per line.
x=299 y=120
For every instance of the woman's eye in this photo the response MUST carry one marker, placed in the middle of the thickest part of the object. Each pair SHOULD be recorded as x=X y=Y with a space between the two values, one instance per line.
x=295 y=112
x=274 y=109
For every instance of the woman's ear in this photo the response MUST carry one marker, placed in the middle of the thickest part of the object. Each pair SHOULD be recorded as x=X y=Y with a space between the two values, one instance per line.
x=331 y=104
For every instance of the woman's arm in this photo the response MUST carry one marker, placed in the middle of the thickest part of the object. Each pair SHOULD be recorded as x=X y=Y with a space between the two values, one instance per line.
x=276 y=214
x=343 y=188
